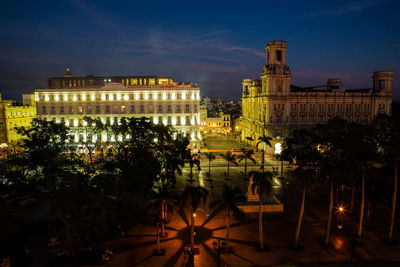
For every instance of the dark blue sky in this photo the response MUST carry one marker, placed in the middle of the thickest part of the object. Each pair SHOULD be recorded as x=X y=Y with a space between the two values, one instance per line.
x=215 y=43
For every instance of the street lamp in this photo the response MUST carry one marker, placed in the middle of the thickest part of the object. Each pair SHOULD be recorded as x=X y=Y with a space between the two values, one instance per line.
x=340 y=210
x=278 y=151
x=218 y=247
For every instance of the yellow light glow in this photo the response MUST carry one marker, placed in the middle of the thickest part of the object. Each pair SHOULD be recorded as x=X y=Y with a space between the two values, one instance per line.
x=278 y=148
x=74 y=98
x=103 y=96
x=126 y=97
x=146 y=96
x=84 y=97
x=173 y=96
x=164 y=96
x=57 y=97
x=65 y=97
x=104 y=137
x=194 y=214
x=118 y=96
x=75 y=123
x=184 y=96
x=111 y=97
x=93 y=97
x=174 y=121
x=155 y=120
x=46 y=98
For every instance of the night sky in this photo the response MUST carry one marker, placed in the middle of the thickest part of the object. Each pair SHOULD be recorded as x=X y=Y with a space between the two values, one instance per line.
x=214 y=43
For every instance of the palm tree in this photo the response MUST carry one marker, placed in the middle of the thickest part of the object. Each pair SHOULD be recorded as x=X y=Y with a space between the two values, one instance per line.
x=195 y=195
x=230 y=158
x=265 y=141
x=158 y=237
x=164 y=202
x=262 y=184
x=393 y=213
x=247 y=154
x=230 y=196
x=210 y=156
x=193 y=161
x=249 y=138
x=364 y=159
x=304 y=177
x=388 y=136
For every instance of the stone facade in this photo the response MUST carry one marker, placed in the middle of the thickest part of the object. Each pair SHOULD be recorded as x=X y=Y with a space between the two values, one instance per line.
x=12 y=117
x=168 y=103
x=274 y=107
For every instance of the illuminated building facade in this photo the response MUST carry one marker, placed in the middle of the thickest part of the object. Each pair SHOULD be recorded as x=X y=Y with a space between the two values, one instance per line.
x=13 y=116
x=273 y=107
x=68 y=99
x=217 y=125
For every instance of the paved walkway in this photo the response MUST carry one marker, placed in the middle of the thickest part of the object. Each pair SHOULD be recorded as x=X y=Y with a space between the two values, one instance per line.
x=137 y=249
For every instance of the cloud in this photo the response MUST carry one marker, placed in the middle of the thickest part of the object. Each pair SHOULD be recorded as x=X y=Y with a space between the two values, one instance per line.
x=245 y=49
x=202 y=36
x=211 y=67
x=352 y=7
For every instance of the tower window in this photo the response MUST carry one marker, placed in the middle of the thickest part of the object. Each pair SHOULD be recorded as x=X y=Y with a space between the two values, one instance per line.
x=381 y=84
x=279 y=55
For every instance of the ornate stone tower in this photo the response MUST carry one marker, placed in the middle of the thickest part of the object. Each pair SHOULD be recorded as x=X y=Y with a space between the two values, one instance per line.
x=276 y=74
x=383 y=81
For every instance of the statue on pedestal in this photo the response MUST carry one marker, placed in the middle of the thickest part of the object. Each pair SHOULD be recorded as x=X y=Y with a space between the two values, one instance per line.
x=250 y=196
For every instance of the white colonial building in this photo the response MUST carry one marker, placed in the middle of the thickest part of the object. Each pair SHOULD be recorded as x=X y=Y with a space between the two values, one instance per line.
x=68 y=99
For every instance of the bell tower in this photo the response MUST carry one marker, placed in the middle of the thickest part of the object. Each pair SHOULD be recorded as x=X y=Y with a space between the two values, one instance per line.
x=276 y=74
x=382 y=81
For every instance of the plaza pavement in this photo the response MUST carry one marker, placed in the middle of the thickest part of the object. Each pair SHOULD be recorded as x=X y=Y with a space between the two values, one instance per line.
x=137 y=248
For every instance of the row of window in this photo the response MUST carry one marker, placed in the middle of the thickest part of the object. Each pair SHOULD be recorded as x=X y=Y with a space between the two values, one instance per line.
x=20 y=113
x=313 y=119
x=169 y=120
x=118 y=96
x=80 y=137
x=13 y=125
x=330 y=107
x=116 y=109
x=214 y=124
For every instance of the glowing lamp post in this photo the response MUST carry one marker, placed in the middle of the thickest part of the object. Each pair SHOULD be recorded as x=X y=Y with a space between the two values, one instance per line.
x=340 y=211
x=278 y=151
